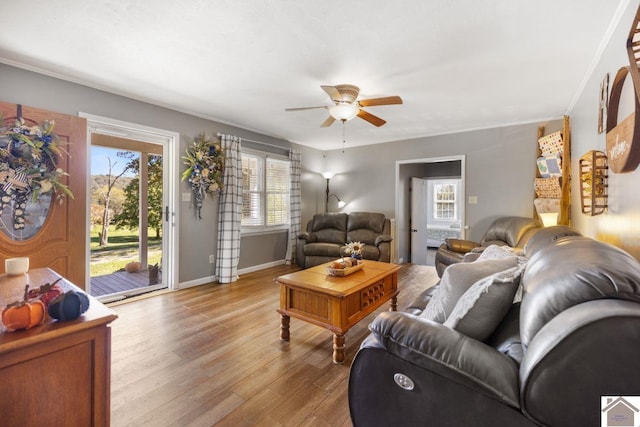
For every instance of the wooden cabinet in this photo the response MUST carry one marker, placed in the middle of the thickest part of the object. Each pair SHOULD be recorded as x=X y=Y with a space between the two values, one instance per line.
x=57 y=373
x=553 y=193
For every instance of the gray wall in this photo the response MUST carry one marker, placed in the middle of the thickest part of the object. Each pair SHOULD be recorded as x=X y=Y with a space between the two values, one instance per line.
x=500 y=169
x=620 y=225
x=197 y=237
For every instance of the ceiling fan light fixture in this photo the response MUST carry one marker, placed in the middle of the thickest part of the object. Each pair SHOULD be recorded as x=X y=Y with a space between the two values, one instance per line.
x=344 y=111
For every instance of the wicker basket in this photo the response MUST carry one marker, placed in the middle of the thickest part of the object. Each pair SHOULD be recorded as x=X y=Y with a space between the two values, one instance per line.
x=548 y=188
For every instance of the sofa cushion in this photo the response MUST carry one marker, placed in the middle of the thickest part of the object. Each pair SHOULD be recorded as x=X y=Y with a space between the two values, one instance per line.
x=457 y=278
x=322 y=249
x=506 y=337
x=365 y=227
x=368 y=252
x=330 y=227
x=509 y=230
x=546 y=236
x=483 y=306
x=570 y=271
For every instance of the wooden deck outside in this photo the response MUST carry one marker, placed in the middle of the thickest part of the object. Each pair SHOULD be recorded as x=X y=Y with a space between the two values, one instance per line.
x=118 y=282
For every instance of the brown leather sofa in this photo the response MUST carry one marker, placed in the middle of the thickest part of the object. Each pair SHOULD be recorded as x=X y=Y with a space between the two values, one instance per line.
x=512 y=231
x=328 y=233
x=572 y=338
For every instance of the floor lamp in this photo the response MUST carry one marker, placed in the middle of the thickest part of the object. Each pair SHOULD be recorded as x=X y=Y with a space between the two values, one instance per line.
x=341 y=204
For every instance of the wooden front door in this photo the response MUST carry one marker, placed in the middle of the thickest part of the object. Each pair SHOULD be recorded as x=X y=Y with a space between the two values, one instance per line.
x=60 y=242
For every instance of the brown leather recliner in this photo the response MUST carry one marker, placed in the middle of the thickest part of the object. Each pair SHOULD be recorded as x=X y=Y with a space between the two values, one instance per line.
x=328 y=233
x=512 y=231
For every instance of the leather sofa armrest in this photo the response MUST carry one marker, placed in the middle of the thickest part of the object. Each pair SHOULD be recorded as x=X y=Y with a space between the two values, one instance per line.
x=383 y=238
x=420 y=302
x=471 y=256
x=591 y=346
x=308 y=237
x=447 y=353
x=460 y=246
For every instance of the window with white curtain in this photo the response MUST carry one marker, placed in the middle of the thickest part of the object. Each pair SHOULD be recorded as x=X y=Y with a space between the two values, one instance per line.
x=265 y=191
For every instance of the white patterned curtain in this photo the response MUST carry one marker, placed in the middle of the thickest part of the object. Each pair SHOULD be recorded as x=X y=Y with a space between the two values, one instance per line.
x=230 y=212
x=295 y=200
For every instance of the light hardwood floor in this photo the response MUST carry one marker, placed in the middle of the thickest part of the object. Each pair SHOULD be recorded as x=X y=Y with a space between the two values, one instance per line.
x=211 y=355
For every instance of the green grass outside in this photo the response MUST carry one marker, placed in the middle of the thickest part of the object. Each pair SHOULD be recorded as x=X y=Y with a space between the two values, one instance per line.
x=122 y=249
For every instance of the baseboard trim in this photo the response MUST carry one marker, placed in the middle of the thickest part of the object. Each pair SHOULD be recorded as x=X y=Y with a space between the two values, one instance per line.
x=261 y=267
x=197 y=282
x=211 y=279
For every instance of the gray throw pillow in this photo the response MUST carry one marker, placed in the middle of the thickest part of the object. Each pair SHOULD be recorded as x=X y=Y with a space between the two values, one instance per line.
x=483 y=306
x=457 y=278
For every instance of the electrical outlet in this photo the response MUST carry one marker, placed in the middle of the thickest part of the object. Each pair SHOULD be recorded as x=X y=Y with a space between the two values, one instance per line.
x=473 y=200
x=186 y=197
x=212 y=259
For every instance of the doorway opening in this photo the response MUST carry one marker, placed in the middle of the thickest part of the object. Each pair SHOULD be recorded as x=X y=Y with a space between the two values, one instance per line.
x=131 y=216
x=429 y=206
x=443 y=210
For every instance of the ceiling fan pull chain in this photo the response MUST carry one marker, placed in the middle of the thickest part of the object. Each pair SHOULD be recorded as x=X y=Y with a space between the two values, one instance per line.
x=343 y=137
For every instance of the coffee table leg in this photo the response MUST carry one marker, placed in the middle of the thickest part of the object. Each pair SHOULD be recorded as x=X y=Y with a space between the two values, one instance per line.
x=284 y=327
x=338 y=348
x=394 y=304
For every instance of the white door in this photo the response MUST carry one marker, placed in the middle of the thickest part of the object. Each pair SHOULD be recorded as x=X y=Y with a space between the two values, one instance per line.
x=151 y=150
x=418 y=221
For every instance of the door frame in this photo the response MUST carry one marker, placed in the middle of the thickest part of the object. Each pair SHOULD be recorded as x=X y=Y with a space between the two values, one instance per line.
x=417 y=212
x=402 y=241
x=171 y=142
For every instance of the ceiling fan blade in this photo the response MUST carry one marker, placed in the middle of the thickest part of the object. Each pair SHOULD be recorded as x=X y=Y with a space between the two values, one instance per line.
x=333 y=93
x=305 y=108
x=389 y=100
x=374 y=120
x=328 y=122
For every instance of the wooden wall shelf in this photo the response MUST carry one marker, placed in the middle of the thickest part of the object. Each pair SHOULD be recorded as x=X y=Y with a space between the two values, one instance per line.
x=561 y=196
x=593 y=182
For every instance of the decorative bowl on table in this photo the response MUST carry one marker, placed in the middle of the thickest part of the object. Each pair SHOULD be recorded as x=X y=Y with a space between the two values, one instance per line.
x=344 y=266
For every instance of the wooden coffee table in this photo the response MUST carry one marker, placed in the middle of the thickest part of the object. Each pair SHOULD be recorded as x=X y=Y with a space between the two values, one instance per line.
x=336 y=303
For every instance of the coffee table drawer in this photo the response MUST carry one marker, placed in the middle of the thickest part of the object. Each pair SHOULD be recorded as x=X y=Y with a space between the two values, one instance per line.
x=366 y=301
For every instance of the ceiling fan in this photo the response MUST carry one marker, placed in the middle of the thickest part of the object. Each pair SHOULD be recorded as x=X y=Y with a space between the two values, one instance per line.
x=347 y=106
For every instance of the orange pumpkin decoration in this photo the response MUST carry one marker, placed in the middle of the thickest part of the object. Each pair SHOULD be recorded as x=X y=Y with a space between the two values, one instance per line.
x=23 y=314
x=132 y=267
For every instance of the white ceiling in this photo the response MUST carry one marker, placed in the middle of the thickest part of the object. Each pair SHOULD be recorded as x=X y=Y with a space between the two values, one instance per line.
x=458 y=65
